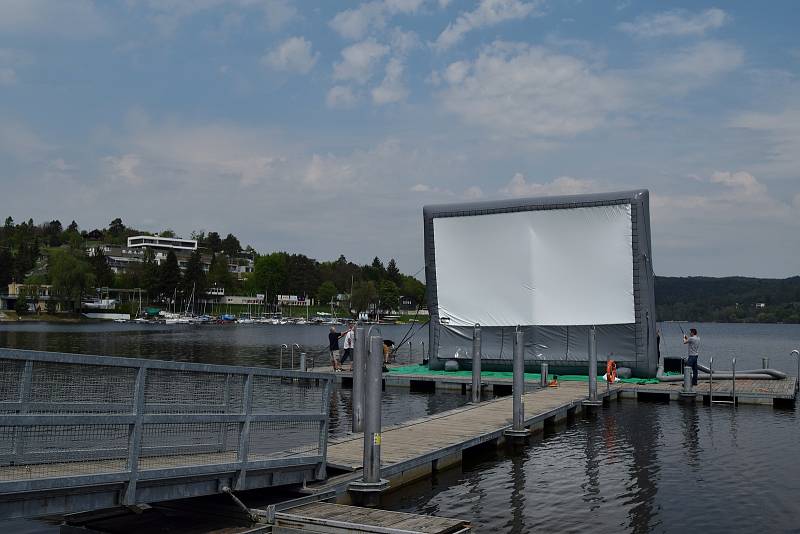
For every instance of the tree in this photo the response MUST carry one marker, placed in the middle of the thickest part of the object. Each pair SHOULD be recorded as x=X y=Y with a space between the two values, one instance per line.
x=21 y=306
x=116 y=228
x=326 y=293
x=194 y=278
x=219 y=274
x=213 y=242
x=231 y=246
x=6 y=267
x=169 y=232
x=364 y=294
x=71 y=276
x=376 y=271
x=269 y=274
x=170 y=275
x=393 y=273
x=73 y=227
x=413 y=288
x=150 y=279
x=389 y=295
x=103 y=275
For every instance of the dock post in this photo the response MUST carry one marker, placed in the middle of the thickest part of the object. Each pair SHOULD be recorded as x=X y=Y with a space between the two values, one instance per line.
x=796 y=353
x=765 y=363
x=687 y=392
x=592 y=369
x=544 y=371
x=367 y=491
x=303 y=361
x=359 y=358
x=476 y=364
x=518 y=429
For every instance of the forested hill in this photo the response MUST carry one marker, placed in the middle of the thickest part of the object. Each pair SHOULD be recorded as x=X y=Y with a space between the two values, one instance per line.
x=731 y=299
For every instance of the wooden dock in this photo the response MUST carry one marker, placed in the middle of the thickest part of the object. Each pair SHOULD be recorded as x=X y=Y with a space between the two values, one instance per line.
x=771 y=392
x=414 y=449
x=337 y=518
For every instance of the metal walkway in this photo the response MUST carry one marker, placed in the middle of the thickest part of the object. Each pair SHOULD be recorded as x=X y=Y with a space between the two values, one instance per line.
x=82 y=432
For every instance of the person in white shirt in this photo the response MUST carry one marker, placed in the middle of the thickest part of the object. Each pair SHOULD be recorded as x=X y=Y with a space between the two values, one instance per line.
x=349 y=342
x=692 y=342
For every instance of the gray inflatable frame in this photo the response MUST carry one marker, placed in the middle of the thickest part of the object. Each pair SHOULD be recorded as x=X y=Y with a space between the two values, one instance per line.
x=564 y=348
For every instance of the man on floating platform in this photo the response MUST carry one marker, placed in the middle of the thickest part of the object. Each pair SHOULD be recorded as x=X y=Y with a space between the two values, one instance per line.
x=693 y=352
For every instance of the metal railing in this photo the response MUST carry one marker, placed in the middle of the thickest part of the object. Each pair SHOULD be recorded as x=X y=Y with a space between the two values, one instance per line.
x=69 y=420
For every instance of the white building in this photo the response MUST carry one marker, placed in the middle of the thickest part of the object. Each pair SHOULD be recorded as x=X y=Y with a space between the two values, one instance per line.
x=151 y=241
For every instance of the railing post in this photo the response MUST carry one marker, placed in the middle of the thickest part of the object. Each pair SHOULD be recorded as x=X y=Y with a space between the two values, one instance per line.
x=733 y=386
x=24 y=399
x=359 y=358
x=410 y=353
x=135 y=436
x=303 y=361
x=796 y=353
x=244 y=435
x=592 y=369
x=710 y=381
x=476 y=364
x=544 y=371
x=371 y=485
x=765 y=363
x=518 y=429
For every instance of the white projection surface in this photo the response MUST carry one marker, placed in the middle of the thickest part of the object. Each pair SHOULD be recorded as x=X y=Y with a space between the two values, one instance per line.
x=550 y=267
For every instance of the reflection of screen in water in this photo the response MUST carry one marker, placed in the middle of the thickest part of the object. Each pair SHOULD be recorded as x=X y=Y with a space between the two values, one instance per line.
x=543 y=267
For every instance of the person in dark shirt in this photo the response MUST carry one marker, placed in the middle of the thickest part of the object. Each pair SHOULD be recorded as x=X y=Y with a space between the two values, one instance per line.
x=333 y=346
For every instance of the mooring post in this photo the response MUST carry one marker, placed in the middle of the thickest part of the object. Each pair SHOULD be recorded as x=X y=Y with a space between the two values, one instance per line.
x=593 y=369
x=765 y=363
x=688 y=391
x=303 y=361
x=518 y=429
x=359 y=376
x=733 y=386
x=545 y=370
x=476 y=364
x=368 y=490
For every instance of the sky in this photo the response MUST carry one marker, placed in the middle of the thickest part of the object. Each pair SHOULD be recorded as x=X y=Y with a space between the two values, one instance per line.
x=323 y=127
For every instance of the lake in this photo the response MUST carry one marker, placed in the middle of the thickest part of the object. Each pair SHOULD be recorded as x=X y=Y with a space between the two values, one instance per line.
x=634 y=467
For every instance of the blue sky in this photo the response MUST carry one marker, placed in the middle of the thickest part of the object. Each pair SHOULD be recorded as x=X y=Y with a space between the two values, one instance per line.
x=324 y=127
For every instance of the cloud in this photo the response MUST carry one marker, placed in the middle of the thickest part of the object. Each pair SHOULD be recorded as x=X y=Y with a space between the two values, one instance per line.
x=679 y=22
x=473 y=193
x=76 y=19
x=782 y=132
x=521 y=90
x=359 y=60
x=294 y=54
x=488 y=13
x=392 y=88
x=7 y=76
x=689 y=68
x=124 y=168
x=370 y=17
x=518 y=186
x=340 y=96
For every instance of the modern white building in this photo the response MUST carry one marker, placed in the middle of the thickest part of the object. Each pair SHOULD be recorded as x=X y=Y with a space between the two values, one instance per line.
x=151 y=241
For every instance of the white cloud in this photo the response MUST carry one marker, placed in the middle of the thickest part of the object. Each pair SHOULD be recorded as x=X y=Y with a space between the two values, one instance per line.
x=677 y=22
x=403 y=42
x=488 y=13
x=294 y=54
x=420 y=188
x=370 y=17
x=359 y=60
x=521 y=90
x=691 y=67
x=518 y=186
x=392 y=88
x=781 y=130
x=473 y=193
x=340 y=96
x=74 y=19
x=124 y=168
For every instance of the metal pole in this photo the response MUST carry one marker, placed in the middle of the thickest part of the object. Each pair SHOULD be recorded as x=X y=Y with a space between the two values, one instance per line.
x=796 y=353
x=283 y=347
x=359 y=357
x=593 y=367
x=303 y=361
x=372 y=419
x=543 y=379
x=687 y=379
x=765 y=363
x=733 y=386
x=410 y=353
x=710 y=381
x=423 y=351
x=298 y=350
x=476 y=364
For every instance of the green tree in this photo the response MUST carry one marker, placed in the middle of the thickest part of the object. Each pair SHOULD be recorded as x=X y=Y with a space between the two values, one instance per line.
x=194 y=278
x=213 y=242
x=231 y=246
x=219 y=274
x=71 y=276
x=269 y=274
x=103 y=275
x=6 y=267
x=170 y=275
x=21 y=305
x=393 y=273
x=326 y=293
x=411 y=287
x=150 y=276
x=389 y=295
x=364 y=294
x=116 y=228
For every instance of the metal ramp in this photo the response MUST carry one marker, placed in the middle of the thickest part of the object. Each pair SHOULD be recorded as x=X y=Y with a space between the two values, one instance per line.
x=81 y=432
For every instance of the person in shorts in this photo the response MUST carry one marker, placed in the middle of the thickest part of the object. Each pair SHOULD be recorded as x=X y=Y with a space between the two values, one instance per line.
x=333 y=346
x=692 y=342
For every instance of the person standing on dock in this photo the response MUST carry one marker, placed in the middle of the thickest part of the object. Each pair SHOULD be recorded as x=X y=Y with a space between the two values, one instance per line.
x=692 y=341
x=349 y=342
x=333 y=346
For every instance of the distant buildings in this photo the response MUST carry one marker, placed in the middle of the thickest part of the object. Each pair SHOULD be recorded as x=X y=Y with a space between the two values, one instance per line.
x=120 y=258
